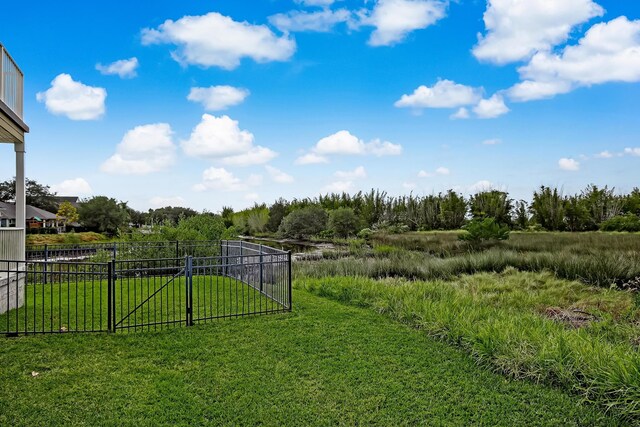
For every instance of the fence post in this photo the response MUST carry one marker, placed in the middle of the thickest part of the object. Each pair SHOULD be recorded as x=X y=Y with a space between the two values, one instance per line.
x=46 y=259
x=110 y=299
x=241 y=263
x=177 y=249
x=290 y=287
x=188 y=271
x=226 y=258
x=261 y=260
x=115 y=250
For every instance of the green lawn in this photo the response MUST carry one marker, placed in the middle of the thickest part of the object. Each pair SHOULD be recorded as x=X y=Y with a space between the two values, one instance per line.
x=323 y=364
x=157 y=302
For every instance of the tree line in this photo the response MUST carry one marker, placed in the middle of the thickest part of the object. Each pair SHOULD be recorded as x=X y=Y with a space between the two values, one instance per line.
x=344 y=214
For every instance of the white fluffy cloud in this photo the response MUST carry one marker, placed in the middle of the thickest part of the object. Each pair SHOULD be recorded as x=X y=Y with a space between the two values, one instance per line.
x=395 y=19
x=608 y=52
x=516 y=29
x=222 y=180
x=73 y=99
x=344 y=143
x=311 y=159
x=357 y=173
x=124 y=68
x=461 y=114
x=381 y=148
x=161 y=202
x=215 y=98
x=482 y=185
x=439 y=171
x=278 y=176
x=215 y=40
x=444 y=94
x=72 y=187
x=491 y=108
x=569 y=164
x=255 y=156
x=530 y=90
x=143 y=149
x=632 y=151
x=220 y=139
x=604 y=155
x=319 y=21
x=338 y=187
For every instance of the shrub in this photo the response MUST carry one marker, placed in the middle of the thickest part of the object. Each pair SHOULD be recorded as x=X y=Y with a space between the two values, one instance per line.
x=483 y=230
x=365 y=233
x=303 y=223
x=628 y=222
x=343 y=222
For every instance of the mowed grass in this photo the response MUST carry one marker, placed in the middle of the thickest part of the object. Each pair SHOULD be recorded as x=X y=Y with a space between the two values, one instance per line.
x=155 y=302
x=323 y=364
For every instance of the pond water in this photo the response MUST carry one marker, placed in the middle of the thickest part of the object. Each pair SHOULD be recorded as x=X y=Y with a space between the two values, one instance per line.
x=295 y=246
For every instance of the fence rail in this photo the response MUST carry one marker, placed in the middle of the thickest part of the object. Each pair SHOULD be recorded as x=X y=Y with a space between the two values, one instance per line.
x=11 y=83
x=142 y=294
x=120 y=250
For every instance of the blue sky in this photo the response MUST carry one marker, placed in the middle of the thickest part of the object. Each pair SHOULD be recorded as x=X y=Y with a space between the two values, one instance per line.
x=213 y=103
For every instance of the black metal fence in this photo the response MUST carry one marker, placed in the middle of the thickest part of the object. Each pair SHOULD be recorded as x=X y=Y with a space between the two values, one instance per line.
x=102 y=252
x=141 y=294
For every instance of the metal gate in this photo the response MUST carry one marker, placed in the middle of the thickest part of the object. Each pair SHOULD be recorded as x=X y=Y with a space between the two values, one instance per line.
x=150 y=294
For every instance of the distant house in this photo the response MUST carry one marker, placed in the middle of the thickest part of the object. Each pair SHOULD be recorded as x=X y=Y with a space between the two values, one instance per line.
x=36 y=218
x=74 y=200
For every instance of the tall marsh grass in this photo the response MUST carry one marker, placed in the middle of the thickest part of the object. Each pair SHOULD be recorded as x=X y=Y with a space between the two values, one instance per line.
x=446 y=243
x=604 y=269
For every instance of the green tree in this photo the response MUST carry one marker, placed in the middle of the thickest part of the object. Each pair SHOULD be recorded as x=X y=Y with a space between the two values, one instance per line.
x=227 y=216
x=103 y=214
x=577 y=217
x=137 y=218
x=601 y=203
x=67 y=213
x=170 y=214
x=548 y=208
x=453 y=210
x=492 y=204
x=36 y=194
x=277 y=211
x=304 y=223
x=631 y=202
x=257 y=219
x=343 y=222
x=521 y=215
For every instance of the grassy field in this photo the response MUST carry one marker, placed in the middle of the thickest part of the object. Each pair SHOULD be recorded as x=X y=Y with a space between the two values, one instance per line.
x=323 y=364
x=602 y=259
x=509 y=304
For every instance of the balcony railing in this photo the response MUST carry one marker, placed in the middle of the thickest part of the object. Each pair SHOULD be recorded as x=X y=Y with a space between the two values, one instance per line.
x=11 y=245
x=11 y=83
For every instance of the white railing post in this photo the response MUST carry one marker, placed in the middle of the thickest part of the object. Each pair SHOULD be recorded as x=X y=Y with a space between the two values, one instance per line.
x=11 y=83
x=1 y=73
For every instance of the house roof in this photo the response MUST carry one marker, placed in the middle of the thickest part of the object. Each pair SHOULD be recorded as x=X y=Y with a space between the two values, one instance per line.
x=74 y=200
x=8 y=210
